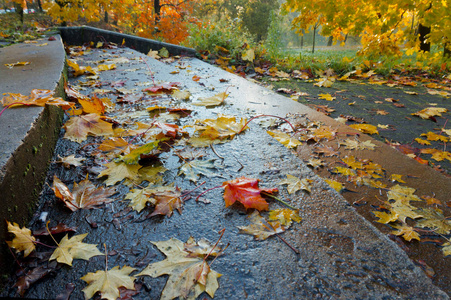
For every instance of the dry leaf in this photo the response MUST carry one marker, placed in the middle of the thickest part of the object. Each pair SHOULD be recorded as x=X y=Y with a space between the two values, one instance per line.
x=211 y=101
x=78 y=128
x=284 y=139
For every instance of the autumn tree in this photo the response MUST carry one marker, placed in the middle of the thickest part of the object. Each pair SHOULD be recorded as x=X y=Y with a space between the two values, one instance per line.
x=384 y=26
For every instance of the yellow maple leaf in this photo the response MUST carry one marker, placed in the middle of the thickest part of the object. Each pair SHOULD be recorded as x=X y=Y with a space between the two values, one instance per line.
x=189 y=273
x=249 y=55
x=429 y=112
x=108 y=282
x=384 y=217
x=73 y=248
x=284 y=139
x=338 y=186
x=295 y=184
x=119 y=171
x=215 y=100
x=365 y=128
x=23 y=240
x=422 y=142
x=431 y=136
x=408 y=233
x=285 y=216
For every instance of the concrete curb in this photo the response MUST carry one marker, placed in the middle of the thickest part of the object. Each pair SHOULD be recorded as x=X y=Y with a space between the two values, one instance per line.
x=29 y=134
x=86 y=34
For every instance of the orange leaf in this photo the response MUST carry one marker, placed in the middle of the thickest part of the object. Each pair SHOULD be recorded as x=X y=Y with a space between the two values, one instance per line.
x=246 y=191
x=78 y=128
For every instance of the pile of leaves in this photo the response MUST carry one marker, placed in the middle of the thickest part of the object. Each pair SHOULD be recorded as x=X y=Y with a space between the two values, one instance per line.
x=125 y=134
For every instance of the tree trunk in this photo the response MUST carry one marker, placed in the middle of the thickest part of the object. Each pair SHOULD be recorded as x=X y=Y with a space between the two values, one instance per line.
x=423 y=31
x=346 y=38
x=314 y=38
x=157 y=9
x=105 y=18
x=447 y=50
x=330 y=41
x=40 y=6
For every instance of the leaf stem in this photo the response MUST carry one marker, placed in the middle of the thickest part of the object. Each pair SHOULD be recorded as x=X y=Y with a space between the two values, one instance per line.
x=206 y=191
x=291 y=247
x=273 y=116
x=280 y=200
x=189 y=192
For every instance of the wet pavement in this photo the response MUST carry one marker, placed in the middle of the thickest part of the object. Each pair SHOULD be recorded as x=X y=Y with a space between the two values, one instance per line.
x=341 y=255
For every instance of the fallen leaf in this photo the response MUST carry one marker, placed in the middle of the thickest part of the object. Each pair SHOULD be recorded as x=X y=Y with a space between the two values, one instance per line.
x=73 y=248
x=434 y=219
x=135 y=155
x=85 y=195
x=408 y=233
x=357 y=145
x=78 y=128
x=295 y=184
x=24 y=282
x=327 y=97
x=430 y=112
x=285 y=139
x=365 y=128
x=338 y=186
x=181 y=95
x=249 y=55
x=37 y=97
x=23 y=240
x=246 y=191
x=119 y=171
x=446 y=248
x=215 y=100
x=188 y=276
x=167 y=199
x=108 y=282
x=193 y=169
x=17 y=64
x=260 y=228
x=71 y=160
x=384 y=217
x=285 y=216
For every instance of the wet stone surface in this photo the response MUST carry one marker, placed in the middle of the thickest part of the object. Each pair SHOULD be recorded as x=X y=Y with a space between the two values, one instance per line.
x=341 y=255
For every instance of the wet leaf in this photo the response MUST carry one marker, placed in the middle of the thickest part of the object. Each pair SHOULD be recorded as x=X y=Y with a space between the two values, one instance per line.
x=246 y=191
x=108 y=282
x=119 y=171
x=85 y=194
x=73 y=248
x=78 y=128
x=434 y=219
x=260 y=228
x=285 y=216
x=135 y=155
x=446 y=248
x=188 y=276
x=327 y=97
x=408 y=233
x=338 y=186
x=167 y=200
x=384 y=217
x=429 y=112
x=23 y=240
x=285 y=139
x=295 y=184
x=365 y=128
x=37 y=97
x=71 y=160
x=357 y=145
x=193 y=169
x=215 y=100
x=24 y=282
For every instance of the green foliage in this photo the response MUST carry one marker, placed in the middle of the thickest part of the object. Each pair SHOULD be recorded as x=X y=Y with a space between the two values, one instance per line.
x=224 y=33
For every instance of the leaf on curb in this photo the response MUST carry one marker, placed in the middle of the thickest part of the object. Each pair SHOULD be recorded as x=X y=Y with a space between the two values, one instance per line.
x=246 y=191
x=365 y=128
x=285 y=139
x=211 y=101
x=295 y=184
x=108 y=282
x=285 y=216
x=260 y=228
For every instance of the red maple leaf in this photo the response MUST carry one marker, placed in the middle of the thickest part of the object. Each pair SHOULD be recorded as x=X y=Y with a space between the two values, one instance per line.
x=246 y=191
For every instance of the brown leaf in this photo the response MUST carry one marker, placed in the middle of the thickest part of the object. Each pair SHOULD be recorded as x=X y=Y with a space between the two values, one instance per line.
x=24 y=282
x=167 y=201
x=78 y=128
